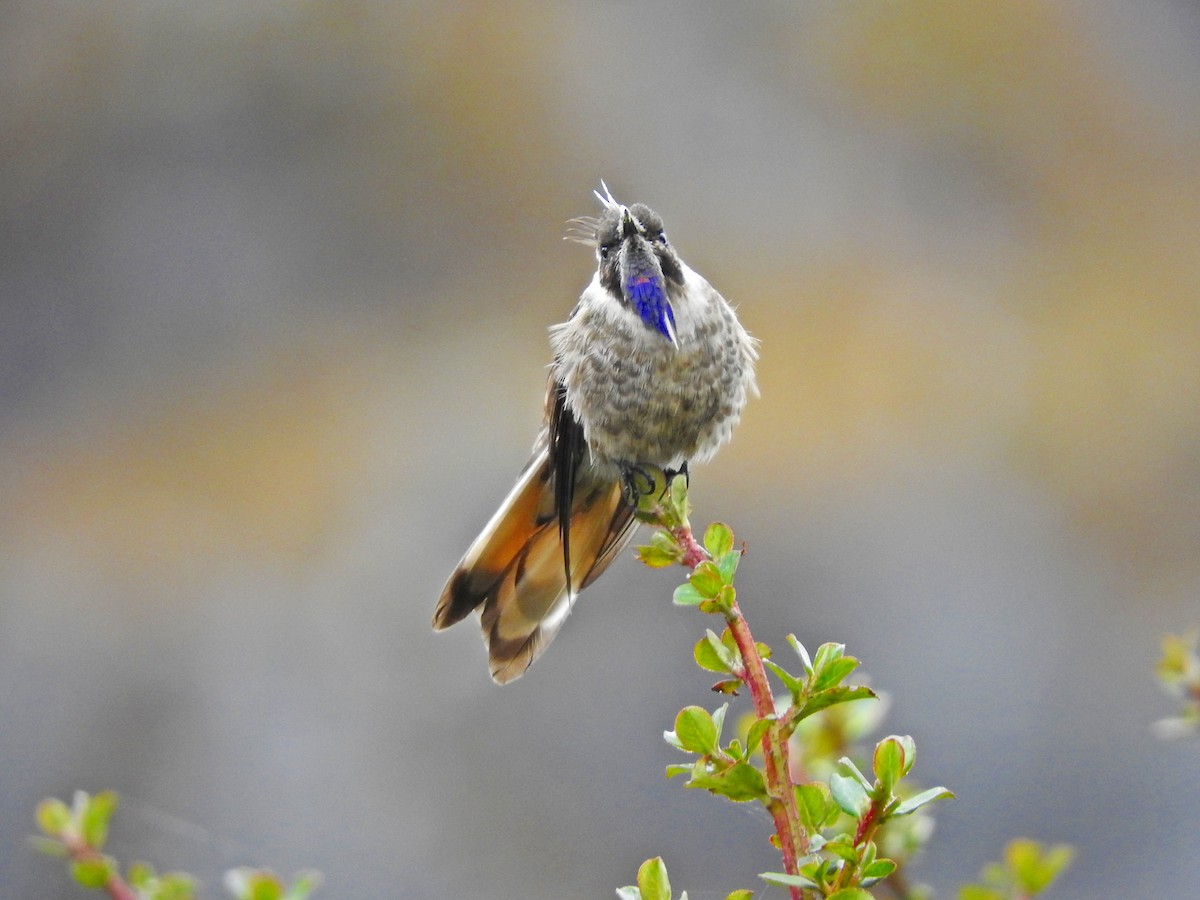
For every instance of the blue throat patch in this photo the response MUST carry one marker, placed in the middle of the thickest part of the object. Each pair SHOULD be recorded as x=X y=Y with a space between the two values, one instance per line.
x=652 y=304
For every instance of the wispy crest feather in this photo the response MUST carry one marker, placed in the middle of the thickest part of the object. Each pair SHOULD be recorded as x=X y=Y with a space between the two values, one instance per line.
x=582 y=229
x=607 y=198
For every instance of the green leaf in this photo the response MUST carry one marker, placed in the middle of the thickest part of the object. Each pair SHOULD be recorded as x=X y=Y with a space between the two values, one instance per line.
x=739 y=895
x=1058 y=858
x=866 y=854
x=1033 y=869
x=253 y=884
x=96 y=815
x=1178 y=658
x=719 y=720
x=889 y=763
x=728 y=563
x=53 y=816
x=652 y=880
x=849 y=794
x=303 y=885
x=846 y=766
x=915 y=802
x=686 y=595
x=830 y=697
x=755 y=734
x=678 y=769
x=827 y=653
x=783 y=879
x=92 y=871
x=718 y=539
x=833 y=672
x=910 y=751
x=801 y=652
x=877 y=871
x=175 y=886
x=1022 y=856
x=725 y=598
x=140 y=874
x=851 y=894
x=679 y=497
x=740 y=782
x=712 y=654
x=978 y=892
x=629 y=892
x=662 y=551
x=728 y=686
x=696 y=731
x=706 y=579
x=813 y=802
x=267 y=887
x=843 y=849
x=793 y=684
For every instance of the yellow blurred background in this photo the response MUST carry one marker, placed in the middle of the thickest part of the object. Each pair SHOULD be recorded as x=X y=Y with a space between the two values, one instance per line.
x=274 y=286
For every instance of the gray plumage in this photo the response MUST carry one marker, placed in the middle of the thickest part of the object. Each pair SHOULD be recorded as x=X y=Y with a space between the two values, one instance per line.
x=651 y=369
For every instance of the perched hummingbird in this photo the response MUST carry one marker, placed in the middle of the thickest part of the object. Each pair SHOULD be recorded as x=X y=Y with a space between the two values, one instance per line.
x=651 y=371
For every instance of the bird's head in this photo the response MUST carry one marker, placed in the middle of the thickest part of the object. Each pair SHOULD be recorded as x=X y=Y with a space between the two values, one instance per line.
x=637 y=265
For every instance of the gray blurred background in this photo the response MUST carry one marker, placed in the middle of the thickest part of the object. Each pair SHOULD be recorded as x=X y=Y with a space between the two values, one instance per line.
x=275 y=279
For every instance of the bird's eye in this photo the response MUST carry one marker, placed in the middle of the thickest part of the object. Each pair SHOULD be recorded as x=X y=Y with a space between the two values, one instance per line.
x=661 y=237
x=605 y=249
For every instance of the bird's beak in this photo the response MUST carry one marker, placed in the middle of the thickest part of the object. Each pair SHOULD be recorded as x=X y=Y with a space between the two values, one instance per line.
x=629 y=225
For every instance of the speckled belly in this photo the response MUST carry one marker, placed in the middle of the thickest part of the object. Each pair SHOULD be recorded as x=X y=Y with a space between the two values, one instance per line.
x=649 y=403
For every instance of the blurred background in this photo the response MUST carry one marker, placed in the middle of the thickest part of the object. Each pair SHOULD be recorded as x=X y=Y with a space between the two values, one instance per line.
x=275 y=279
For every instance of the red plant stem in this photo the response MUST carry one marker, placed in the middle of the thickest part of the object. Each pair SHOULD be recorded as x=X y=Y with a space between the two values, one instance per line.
x=793 y=842
x=693 y=553
x=865 y=832
x=119 y=890
x=867 y=826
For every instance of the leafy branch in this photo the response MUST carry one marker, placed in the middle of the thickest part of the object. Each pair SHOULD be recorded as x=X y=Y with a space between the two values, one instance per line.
x=1178 y=672
x=1027 y=869
x=826 y=832
x=79 y=832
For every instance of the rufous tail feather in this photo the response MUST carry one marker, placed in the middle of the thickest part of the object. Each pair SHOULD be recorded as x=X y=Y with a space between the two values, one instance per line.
x=514 y=572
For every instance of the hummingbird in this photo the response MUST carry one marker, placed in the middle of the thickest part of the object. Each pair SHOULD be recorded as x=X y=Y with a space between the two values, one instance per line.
x=650 y=372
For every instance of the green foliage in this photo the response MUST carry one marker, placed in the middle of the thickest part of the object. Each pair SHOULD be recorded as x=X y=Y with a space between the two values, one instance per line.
x=845 y=817
x=1178 y=672
x=151 y=885
x=841 y=832
x=653 y=884
x=1027 y=870
x=262 y=884
x=79 y=832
